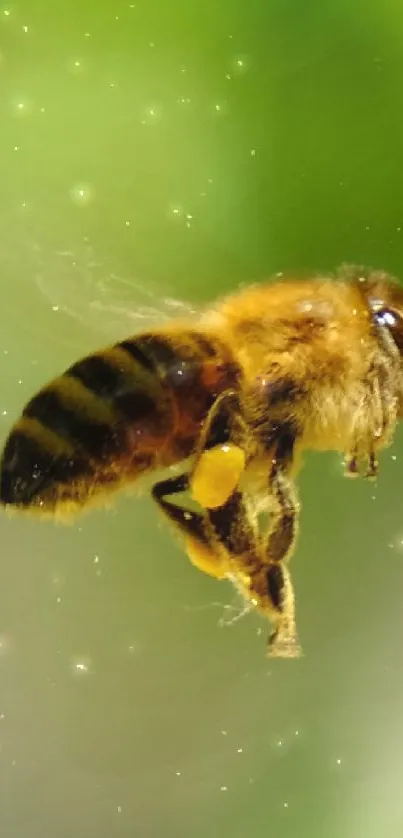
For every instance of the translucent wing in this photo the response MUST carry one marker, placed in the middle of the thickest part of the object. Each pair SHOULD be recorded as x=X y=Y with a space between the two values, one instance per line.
x=72 y=296
x=89 y=292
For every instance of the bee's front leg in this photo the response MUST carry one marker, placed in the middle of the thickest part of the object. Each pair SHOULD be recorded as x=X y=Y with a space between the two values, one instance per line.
x=352 y=463
x=380 y=406
x=351 y=467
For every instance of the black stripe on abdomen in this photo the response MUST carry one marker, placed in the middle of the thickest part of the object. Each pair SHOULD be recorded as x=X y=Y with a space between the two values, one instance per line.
x=27 y=469
x=125 y=391
x=95 y=439
x=98 y=376
x=155 y=354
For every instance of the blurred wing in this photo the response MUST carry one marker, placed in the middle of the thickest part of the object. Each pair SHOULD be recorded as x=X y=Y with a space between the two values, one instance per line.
x=111 y=306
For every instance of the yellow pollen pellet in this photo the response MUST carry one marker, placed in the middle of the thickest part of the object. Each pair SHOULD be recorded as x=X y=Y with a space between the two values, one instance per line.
x=217 y=475
x=205 y=560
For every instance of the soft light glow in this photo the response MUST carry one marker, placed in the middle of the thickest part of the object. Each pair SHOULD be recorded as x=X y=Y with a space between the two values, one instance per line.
x=81 y=194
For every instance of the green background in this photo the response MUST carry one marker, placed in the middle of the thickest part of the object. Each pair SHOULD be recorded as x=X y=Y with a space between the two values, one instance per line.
x=187 y=148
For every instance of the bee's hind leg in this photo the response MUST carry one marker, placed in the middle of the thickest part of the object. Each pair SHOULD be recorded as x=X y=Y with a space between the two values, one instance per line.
x=219 y=461
x=199 y=541
x=221 y=453
x=280 y=542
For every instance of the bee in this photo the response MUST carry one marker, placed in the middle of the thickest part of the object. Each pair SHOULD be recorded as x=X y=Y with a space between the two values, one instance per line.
x=237 y=396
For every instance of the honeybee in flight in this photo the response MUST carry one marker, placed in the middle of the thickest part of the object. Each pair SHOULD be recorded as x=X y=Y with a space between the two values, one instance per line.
x=239 y=394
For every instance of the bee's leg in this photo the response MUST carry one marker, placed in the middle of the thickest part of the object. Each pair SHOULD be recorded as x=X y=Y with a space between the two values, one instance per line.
x=372 y=470
x=220 y=457
x=199 y=540
x=381 y=406
x=351 y=464
x=257 y=572
x=280 y=542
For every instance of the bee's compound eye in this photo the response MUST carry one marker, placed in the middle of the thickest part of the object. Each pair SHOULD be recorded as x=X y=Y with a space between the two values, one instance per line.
x=386 y=317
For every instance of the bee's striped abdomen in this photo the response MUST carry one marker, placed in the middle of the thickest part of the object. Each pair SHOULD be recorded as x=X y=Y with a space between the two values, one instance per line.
x=111 y=416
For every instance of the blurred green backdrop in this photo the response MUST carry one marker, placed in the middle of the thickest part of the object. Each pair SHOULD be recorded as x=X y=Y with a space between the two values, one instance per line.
x=186 y=148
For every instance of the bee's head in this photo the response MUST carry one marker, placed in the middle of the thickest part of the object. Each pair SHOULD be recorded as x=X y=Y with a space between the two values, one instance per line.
x=383 y=295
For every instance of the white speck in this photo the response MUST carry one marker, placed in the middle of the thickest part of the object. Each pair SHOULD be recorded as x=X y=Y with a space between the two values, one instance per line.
x=279 y=743
x=338 y=761
x=58 y=600
x=25 y=28
x=77 y=64
x=81 y=194
x=224 y=732
x=6 y=13
x=151 y=44
x=87 y=34
x=368 y=227
x=224 y=788
x=4 y=413
x=285 y=805
x=16 y=148
x=116 y=17
x=127 y=223
x=394 y=458
x=42 y=110
x=239 y=750
x=253 y=152
x=119 y=810
x=112 y=84
x=55 y=308
x=228 y=76
x=178 y=773
x=217 y=107
x=81 y=667
x=96 y=558
x=296 y=733
x=2 y=716
x=20 y=381
x=189 y=216
x=209 y=180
